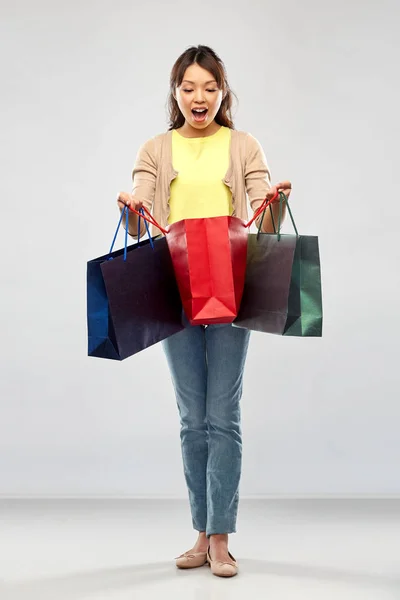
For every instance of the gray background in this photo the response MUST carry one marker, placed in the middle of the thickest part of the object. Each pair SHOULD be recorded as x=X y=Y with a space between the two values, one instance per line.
x=84 y=84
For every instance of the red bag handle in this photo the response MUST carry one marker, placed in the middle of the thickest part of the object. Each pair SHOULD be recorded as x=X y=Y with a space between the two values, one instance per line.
x=150 y=219
x=261 y=209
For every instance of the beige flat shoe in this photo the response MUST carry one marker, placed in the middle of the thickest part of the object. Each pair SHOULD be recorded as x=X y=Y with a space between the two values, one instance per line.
x=222 y=569
x=189 y=560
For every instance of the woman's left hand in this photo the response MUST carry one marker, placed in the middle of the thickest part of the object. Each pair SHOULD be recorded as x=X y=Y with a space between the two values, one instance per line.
x=283 y=186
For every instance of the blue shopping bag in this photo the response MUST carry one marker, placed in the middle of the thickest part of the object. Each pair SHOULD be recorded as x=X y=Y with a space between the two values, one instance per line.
x=133 y=300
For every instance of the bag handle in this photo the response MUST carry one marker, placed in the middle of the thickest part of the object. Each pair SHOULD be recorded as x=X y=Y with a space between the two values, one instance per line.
x=282 y=197
x=116 y=233
x=147 y=228
x=262 y=208
x=148 y=217
x=125 y=212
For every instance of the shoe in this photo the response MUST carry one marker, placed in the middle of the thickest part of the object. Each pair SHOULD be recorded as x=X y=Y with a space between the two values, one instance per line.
x=222 y=569
x=189 y=560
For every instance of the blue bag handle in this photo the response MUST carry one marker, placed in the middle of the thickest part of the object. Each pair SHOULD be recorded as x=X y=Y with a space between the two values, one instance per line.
x=125 y=212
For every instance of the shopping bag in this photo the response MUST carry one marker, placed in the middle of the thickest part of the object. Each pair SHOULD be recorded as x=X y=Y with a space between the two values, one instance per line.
x=282 y=291
x=209 y=259
x=305 y=313
x=133 y=301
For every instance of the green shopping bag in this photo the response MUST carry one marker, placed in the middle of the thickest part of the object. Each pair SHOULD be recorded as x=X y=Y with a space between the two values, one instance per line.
x=282 y=291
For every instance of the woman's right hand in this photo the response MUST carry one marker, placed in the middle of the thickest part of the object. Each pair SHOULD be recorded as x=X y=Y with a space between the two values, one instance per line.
x=126 y=199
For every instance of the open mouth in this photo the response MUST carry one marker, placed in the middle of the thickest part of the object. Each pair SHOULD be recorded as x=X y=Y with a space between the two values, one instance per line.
x=199 y=115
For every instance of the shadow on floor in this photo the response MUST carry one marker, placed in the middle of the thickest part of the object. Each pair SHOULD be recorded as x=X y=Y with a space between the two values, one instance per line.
x=76 y=585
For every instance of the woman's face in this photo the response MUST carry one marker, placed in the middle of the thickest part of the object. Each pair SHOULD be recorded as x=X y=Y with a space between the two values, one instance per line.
x=198 y=90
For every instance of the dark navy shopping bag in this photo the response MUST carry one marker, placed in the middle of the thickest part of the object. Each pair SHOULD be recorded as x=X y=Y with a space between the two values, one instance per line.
x=133 y=300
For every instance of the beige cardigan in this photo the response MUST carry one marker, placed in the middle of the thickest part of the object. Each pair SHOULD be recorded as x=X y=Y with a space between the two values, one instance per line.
x=248 y=173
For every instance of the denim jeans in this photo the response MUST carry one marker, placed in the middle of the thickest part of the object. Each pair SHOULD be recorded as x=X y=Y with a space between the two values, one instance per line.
x=206 y=365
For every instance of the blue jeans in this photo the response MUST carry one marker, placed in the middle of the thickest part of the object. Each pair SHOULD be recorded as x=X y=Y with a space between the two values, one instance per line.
x=206 y=365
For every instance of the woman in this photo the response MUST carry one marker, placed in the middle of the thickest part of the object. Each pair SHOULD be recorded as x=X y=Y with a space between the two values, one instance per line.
x=203 y=167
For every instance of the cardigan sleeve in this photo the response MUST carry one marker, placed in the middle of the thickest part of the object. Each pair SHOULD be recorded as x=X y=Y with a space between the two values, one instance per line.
x=256 y=172
x=144 y=174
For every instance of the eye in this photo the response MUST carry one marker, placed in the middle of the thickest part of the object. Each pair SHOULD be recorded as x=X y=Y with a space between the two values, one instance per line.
x=206 y=90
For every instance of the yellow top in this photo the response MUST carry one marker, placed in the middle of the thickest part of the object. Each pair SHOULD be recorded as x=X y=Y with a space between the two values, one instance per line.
x=198 y=189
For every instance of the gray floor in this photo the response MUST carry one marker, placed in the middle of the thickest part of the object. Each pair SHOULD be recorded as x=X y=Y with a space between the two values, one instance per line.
x=125 y=549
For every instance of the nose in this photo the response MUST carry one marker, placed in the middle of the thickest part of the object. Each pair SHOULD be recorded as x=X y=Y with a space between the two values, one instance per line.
x=199 y=96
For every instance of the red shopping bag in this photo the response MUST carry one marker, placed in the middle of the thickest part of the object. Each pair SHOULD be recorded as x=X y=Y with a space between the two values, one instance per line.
x=209 y=256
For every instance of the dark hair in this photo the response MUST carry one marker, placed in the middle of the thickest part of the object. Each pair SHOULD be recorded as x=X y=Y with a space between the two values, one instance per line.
x=209 y=60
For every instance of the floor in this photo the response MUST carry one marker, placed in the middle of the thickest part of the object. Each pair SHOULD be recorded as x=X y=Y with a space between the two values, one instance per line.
x=124 y=549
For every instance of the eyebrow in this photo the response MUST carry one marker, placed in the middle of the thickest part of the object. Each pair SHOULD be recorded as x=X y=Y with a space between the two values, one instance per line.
x=210 y=81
